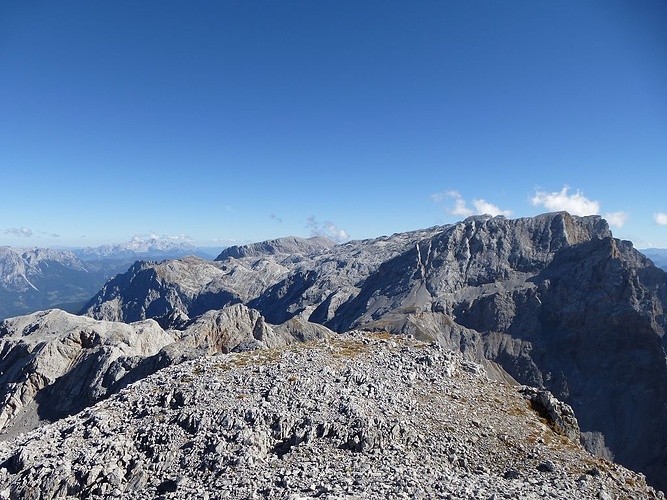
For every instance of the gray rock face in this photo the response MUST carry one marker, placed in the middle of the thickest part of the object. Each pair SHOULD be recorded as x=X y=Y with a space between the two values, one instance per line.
x=352 y=416
x=290 y=245
x=554 y=299
x=156 y=290
x=277 y=277
x=53 y=363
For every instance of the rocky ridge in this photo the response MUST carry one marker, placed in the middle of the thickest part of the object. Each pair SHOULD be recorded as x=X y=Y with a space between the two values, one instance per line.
x=35 y=279
x=282 y=279
x=288 y=245
x=554 y=299
x=351 y=416
x=54 y=364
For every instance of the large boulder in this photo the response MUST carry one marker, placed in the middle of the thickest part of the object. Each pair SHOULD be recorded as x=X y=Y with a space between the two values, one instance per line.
x=53 y=363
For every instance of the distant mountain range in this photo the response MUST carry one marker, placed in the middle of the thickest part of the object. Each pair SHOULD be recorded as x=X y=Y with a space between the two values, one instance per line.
x=657 y=255
x=139 y=248
x=40 y=278
x=553 y=301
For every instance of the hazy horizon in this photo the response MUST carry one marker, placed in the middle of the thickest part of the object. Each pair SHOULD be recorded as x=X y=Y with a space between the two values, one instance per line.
x=214 y=248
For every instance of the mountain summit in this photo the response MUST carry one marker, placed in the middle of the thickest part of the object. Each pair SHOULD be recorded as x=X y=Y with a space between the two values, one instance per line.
x=353 y=415
x=555 y=300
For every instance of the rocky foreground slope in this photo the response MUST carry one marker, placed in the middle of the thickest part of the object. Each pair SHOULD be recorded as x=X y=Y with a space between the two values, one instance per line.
x=54 y=364
x=555 y=300
x=351 y=416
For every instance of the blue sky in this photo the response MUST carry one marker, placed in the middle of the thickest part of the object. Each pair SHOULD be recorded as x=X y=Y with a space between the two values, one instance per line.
x=223 y=121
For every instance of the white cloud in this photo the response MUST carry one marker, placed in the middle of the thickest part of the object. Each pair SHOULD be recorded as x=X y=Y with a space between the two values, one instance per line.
x=230 y=241
x=484 y=207
x=461 y=209
x=335 y=232
x=327 y=228
x=178 y=237
x=145 y=238
x=660 y=218
x=617 y=219
x=576 y=204
x=20 y=231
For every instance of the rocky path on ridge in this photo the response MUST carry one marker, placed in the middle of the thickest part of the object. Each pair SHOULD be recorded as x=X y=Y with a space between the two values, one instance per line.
x=355 y=416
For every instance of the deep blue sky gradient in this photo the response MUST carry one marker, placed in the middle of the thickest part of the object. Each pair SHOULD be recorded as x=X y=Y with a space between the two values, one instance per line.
x=235 y=120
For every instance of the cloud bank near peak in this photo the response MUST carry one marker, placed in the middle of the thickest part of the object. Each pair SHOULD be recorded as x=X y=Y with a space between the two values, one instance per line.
x=461 y=208
x=326 y=228
x=576 y=204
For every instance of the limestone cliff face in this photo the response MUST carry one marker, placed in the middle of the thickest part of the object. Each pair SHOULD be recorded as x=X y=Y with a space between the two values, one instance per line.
x=467 y=261
x=288 y=245
x=54 y=363
x=558 y=303
x=554 y=299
